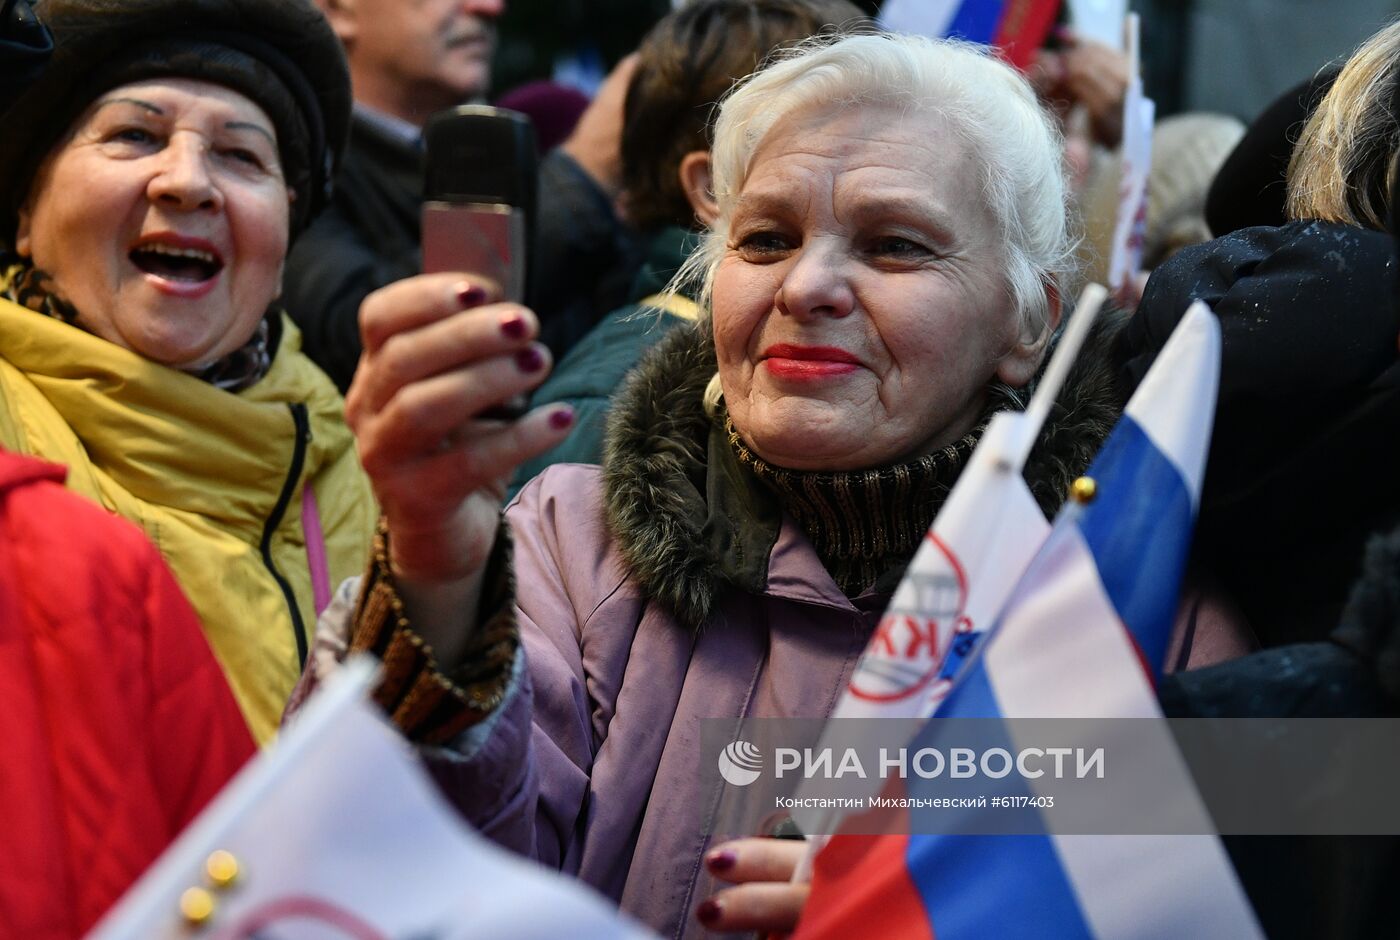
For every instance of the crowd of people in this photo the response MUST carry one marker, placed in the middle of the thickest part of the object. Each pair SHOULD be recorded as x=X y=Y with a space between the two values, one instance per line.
x=791 y=267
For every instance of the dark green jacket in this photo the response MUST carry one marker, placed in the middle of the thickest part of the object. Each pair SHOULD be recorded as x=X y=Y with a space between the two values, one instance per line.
x=594 y=369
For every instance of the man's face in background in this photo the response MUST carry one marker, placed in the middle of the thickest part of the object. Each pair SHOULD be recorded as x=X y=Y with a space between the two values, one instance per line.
x=414 y=57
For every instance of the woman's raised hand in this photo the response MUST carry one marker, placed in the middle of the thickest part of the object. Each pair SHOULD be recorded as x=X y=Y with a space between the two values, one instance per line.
x=439 y=356
x=1087 y=73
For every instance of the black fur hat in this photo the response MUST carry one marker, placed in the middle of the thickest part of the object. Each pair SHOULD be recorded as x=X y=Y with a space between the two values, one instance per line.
x=281 y=54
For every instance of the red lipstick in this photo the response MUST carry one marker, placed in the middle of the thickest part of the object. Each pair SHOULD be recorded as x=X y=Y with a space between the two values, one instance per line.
x=790 y=361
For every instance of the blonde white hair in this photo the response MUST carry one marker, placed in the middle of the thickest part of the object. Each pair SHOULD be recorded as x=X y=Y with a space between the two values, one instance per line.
x=1342 y=165
x=984 y=101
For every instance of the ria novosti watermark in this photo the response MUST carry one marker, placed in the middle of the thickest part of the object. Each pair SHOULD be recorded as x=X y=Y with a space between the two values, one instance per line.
x=741 y=763
x=1070 y=776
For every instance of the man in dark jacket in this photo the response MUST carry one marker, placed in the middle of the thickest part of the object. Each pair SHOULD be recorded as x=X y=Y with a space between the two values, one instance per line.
x=408 y=61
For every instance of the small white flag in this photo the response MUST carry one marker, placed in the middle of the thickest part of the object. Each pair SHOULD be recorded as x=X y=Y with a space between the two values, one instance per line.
x=337 y=832
x=1130 y=227
x=1099 y=20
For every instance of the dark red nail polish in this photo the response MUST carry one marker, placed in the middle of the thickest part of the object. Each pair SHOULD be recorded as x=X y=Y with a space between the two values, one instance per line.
x=708 y=912
x=513 y=326
x=470 y=295
x=561 y=419
x=722 y=860
x=529 y=360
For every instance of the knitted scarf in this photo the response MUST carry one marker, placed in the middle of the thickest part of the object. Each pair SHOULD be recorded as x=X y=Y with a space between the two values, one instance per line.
x=862 y=523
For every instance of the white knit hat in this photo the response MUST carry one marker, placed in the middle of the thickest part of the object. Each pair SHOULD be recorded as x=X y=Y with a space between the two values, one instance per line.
x=1187 y=152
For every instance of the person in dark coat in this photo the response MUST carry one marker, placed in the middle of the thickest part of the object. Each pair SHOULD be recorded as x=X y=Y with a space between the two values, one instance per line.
x=1308 y=399
x=1300 y=476
x=1252 y=184
x=1307 y=413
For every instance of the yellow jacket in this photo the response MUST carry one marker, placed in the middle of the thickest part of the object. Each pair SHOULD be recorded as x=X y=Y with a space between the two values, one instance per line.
x=218 y=480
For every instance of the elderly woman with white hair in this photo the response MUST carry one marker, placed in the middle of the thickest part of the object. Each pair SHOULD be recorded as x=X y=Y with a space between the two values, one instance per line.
x=883 y=276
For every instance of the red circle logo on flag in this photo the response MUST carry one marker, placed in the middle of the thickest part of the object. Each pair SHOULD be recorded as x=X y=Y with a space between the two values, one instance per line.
x=912 y=640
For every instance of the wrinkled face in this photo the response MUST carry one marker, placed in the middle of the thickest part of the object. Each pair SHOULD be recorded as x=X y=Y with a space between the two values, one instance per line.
x=860 y=308
x=435 y=53
x=162 y=218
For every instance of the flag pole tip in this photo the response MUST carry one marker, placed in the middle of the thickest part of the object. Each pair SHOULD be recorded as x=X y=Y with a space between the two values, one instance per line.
x=1083 y=490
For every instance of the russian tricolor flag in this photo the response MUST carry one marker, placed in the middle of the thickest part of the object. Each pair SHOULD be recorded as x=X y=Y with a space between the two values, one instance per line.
x=1017 y=28
x=1084 y=635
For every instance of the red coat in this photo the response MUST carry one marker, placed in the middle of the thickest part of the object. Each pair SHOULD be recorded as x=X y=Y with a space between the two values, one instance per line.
x=115 y=720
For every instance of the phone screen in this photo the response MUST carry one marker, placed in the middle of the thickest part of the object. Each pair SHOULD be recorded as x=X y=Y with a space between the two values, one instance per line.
x=484 y=239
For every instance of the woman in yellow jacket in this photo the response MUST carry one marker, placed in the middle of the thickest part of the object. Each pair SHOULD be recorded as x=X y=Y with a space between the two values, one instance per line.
x=172 y=150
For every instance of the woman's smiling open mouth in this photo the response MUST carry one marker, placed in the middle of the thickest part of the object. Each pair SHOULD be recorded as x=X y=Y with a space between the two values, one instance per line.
x=183 y=266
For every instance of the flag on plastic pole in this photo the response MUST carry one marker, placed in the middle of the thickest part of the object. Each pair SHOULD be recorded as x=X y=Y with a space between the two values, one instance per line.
x=1084 y=635
x=337 y=832
x=1017 y=28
